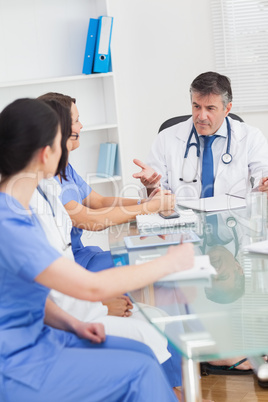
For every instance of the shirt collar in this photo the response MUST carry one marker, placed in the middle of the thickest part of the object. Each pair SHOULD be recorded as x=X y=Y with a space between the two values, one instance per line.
x=221 y=132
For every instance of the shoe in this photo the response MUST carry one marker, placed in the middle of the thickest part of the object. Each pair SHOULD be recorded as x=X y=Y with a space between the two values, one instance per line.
x=207 y=369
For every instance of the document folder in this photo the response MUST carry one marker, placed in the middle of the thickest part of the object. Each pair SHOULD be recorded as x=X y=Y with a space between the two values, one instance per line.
x=112 y=159
x=104 y=160
x=90 y=45
x=102 y=52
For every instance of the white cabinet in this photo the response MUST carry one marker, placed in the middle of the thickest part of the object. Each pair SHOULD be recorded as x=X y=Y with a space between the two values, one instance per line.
x=50 y=38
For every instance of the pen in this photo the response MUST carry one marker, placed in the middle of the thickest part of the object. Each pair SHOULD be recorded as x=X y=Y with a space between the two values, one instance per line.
x=237 y=364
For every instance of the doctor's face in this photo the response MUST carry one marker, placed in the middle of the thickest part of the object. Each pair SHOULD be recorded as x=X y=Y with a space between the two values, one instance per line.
x=228 y=283
x=208 y=113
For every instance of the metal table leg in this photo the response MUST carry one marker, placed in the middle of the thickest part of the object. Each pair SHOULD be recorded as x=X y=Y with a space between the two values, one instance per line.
x=191 y=381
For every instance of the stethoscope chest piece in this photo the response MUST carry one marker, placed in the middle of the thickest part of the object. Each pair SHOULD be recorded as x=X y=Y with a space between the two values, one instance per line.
x=226 y=158
x=231 y=222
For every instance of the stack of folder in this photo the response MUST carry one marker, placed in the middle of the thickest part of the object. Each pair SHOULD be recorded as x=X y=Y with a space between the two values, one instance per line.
x=107 y=159
x=97 y=53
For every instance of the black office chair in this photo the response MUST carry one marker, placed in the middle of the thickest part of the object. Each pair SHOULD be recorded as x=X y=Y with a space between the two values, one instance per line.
x=179 y=119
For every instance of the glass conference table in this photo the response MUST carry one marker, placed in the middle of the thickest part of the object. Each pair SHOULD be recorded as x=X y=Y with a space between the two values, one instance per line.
x=221 y=316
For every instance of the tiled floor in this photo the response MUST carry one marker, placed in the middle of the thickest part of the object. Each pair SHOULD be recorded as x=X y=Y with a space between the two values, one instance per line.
x=233 y=389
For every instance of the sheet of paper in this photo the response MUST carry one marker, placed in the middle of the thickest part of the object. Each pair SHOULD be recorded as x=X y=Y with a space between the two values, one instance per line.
x=217 y=203
x=259 y=247
x=149 y=240
x=201 y=269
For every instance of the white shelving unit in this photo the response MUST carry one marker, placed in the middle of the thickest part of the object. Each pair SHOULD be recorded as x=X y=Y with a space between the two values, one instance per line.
x=57 y=50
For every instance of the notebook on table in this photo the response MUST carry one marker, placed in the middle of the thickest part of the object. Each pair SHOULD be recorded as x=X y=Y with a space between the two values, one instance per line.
x=155 y=222
x=202 y=269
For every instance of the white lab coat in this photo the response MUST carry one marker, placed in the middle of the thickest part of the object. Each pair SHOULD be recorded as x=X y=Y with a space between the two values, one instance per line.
x=249 y=150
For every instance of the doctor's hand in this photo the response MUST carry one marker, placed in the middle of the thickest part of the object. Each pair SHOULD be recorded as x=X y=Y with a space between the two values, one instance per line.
x=263 y=186
x=94 y=332
x=148 y=176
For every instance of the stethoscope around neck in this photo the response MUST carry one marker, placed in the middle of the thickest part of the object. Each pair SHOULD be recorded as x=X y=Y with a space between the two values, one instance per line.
x=41 y=192
x=188 y=172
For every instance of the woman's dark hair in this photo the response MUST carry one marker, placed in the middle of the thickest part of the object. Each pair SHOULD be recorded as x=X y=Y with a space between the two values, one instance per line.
x=66 y=130
x=213 y=83
x=26 y=125
x=65 y=100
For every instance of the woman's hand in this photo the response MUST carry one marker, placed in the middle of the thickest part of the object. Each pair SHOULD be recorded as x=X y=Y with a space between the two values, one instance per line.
x=158 y=192
x=162 y=200
x=91 y=331
x=119 y=306
x=181 y=257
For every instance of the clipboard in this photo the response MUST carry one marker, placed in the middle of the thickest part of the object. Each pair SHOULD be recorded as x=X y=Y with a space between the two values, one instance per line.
x=212 y=204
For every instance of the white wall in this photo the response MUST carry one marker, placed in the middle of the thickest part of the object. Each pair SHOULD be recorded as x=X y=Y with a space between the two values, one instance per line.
x=42 y=38
x=159 y=47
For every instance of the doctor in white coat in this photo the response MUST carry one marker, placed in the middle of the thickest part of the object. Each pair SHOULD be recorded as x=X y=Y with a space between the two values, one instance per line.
x=240 y=152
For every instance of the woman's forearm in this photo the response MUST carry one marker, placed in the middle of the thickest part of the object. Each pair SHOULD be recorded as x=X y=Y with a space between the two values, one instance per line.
x=107 y=202
x=99 y=219
x=69 y=278
x=57 y=318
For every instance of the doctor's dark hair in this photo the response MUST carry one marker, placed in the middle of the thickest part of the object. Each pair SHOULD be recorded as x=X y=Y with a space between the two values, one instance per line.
x=213 y=83
x=26 y=125
x=64 y=115
x=224 y=296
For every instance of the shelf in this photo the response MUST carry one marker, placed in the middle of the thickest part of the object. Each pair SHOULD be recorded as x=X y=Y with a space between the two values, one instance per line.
x=54 y=79
x=100 y=180
x=95 y=93
x=98 y=127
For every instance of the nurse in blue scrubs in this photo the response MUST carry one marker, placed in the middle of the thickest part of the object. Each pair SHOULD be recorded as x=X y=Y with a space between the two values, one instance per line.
x=91 y=211
x=45 y=354
x=172 y=366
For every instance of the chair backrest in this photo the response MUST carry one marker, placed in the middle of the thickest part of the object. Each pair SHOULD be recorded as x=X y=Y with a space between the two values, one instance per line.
x=179 y=119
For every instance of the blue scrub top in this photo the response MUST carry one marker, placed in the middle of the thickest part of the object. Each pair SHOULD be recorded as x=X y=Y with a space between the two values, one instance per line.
x=28 y=348
x=74 y=189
